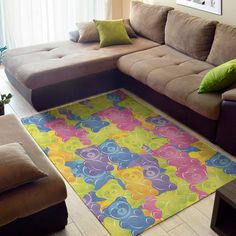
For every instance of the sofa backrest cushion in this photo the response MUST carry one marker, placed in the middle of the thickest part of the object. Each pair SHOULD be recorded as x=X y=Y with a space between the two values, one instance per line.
x=224 y=45
x=189 y=34
x=149 y=20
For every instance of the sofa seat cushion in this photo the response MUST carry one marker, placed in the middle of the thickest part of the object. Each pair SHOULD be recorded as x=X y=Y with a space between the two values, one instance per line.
x=47 y=64
x=175 y=75
x=36 y=196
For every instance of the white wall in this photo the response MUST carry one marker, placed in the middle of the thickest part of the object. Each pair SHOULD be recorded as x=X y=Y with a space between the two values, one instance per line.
x=228 y=16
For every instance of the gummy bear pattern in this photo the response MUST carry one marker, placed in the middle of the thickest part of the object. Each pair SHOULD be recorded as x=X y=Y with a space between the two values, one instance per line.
x=95 y=161
x=131 y=167
x=129 y=218
x=189 y=169
x=116 y=154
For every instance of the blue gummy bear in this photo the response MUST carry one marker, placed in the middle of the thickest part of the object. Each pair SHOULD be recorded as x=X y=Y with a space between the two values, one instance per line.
x=189 y=149
x=231 y=169
x=158 y=121
x=39 y=120
x=115 y=99
x=118 y=155
x=221 y=161
x=94 y=160
x=129 y=218
x=80 y=170
x=69 y=115
x=46 y=150
x=95 y=123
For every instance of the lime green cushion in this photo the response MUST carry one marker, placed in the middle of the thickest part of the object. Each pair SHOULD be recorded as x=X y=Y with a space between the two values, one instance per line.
x=112 y=32
x=219 y=78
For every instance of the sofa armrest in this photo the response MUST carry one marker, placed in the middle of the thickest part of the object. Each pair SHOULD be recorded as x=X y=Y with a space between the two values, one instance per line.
x=226 y=131
x=229 y=95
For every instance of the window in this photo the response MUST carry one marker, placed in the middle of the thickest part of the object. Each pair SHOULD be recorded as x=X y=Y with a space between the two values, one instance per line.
x=27 y=22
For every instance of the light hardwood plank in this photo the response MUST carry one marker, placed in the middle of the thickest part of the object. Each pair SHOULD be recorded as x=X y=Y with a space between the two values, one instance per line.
x=156 y=230
x=18 y=103
x=183 y=230
x=70 y=230
x=197 y=221
x=204 y=204
x=82 y=217
x=69 y=219
x=9 y=110
x=171 y=223
x=212 y=196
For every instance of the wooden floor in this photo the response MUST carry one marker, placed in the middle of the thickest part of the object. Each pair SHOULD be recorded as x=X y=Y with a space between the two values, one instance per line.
x=194 y=220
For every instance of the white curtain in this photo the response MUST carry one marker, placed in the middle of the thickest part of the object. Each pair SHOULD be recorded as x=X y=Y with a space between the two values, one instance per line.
x=2 y=31
x=28 y=22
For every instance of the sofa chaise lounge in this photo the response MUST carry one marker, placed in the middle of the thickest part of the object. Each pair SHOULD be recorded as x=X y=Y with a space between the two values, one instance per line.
x=165 y=66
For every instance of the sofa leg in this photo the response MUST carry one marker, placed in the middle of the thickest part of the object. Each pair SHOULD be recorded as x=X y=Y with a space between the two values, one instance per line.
x=226 y=132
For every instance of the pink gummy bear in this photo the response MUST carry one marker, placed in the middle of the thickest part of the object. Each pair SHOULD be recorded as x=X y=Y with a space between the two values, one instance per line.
x=188 y=168
x=150 y=205
x=120 y=94
x=66 y=132
x=175 y=135
x=122 y=118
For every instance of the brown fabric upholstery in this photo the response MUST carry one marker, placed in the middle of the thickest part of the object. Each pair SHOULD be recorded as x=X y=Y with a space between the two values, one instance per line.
x=176 y=110
x=43 y=223
x=207 y=104
x=33 y=197
x=46 y=64
x=16 y=167
x=173 y=74
x=189 y=34
x=229 y=95
x=129 y=29
x=88 y=31
x=224 y=45
x=149 y=20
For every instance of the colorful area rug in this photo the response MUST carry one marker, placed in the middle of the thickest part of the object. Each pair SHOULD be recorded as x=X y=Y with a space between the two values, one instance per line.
x=131 y=167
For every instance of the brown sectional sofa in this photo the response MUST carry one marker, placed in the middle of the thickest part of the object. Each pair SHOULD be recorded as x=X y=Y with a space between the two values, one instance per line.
x=50 y=74
x=165 y=66
x=173 y=74
x=36 y=208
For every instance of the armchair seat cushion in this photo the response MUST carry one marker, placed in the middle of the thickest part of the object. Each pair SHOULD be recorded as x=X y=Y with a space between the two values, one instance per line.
x=175 y=75
x=230 y=95
x=36 y=196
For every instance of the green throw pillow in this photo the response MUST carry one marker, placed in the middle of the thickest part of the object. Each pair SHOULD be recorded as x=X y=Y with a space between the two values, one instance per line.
x=112 y=32
x=219 y=78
